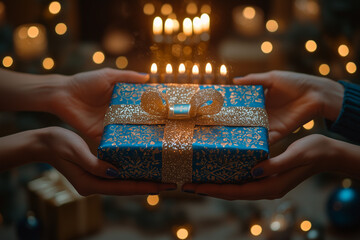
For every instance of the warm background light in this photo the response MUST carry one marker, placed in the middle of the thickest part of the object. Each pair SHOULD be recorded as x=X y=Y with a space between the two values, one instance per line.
x=121 y=62
x=310 y=46
x=176 y=25
x=249 y=12
x=256 y=230
x=166 y=9
x=208 y=68
x=272 y=26
x=182 y=68
x=309 y=125
x=191 y=8
x=48 y=63
x=324 y=69
x=54 y=7
x=187 y=26
x=169 y=26
x=169 y=69
x=346 y=183
x=197 y=25
x=305 y=225
x=205 y=9
x=351 y=67
x=182 y=233
x=223 y=70
x=153 y=200
x=343 y=50
x=266 y=47
x=297 y=130
x=61 y=28
x=153 y=68
x=7 y=61
x=195 y=70
x=98 y=57
x=205 y=22
x=149 y=9
x=33 y=32
x=157 y=25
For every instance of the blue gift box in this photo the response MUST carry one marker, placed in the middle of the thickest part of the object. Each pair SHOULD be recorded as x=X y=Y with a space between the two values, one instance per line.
x=221 y=154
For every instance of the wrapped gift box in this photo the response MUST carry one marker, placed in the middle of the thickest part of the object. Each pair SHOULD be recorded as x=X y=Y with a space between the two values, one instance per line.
x=62 y=212
x=222 y=150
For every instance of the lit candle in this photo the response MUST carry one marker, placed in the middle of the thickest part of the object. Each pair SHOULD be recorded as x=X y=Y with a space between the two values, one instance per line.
x=182 y=78
x=195 y=77
x=30 y=41
x=197 y=25
x=154 y=76
x=157 y=29
x=209 y=76
x=205 y=25
x=169 y=77
x=223 y=75
x=187 y=27
x=176 y=25
x=169 y=29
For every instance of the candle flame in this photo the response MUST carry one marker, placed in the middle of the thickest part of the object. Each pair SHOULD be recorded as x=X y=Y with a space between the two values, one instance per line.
x=195 y=70
x=205 y=22
x=197 y=25
x=169 y=26
x=153 y=68
x=169 y=68
x=157 y=26
x=223 y=70
x=182 y=68
x=208 y=68
x=187 y=26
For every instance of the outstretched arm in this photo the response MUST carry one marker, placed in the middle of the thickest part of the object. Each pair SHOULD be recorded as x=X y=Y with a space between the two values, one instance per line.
x=68 y=153
x=81 y=100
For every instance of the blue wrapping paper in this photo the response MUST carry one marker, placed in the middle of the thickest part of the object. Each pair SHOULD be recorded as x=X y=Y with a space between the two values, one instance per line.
x=221 y=154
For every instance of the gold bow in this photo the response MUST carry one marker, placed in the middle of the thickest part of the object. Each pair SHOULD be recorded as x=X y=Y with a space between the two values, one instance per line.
x=159 y=108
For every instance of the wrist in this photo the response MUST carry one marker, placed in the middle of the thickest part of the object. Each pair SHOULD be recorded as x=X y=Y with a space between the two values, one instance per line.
x=55 y=92
x=331 y=94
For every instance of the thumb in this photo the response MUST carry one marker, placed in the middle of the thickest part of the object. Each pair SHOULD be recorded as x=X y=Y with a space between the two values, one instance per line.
x=129 y=76
x=263 y=79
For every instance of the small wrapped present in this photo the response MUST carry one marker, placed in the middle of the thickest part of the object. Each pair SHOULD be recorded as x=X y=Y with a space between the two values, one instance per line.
x=63 y=213
x=185 y=133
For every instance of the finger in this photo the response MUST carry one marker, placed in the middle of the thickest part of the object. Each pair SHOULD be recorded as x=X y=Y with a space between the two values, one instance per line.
x=274 y=137
x=268 y=188
x=87 y=184
x=129 y=76
x=263 y=79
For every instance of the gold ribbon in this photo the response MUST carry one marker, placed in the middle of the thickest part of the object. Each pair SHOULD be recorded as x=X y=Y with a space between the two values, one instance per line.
x=158 y=108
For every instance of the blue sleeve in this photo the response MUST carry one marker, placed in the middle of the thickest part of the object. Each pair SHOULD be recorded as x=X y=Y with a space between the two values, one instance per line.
x=348 y=122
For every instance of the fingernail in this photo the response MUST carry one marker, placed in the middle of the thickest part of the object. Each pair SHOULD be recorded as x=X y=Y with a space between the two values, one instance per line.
x=188 y=191
x=202 y=194
x=111 y=172
x=257 y=172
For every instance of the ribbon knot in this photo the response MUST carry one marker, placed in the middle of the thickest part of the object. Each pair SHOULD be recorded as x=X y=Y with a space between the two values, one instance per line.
x=203 y=102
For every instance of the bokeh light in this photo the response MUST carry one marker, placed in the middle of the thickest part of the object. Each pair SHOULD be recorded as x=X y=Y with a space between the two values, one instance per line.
x=346 y=183
x=351 y=67
x=272 y=26
x=256 y=230
x=98 y=57
x=249 y=12
x=205 y=9
x=149 y=9
x=166 y=9
x=305 y=225
x=33 y=32
x=191 y=8
x=343 y=50
x=48 y=63
x=324 y=69
x=309 y=125
x=310 y=46
x=153 y=200
x=54 y=7
x=121 y=62
x=266 y=47
x=182 y=233
x=7 y=61
x=60 y=28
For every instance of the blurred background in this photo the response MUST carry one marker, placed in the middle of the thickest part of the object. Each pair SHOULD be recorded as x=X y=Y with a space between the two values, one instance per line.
x=66 y=37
